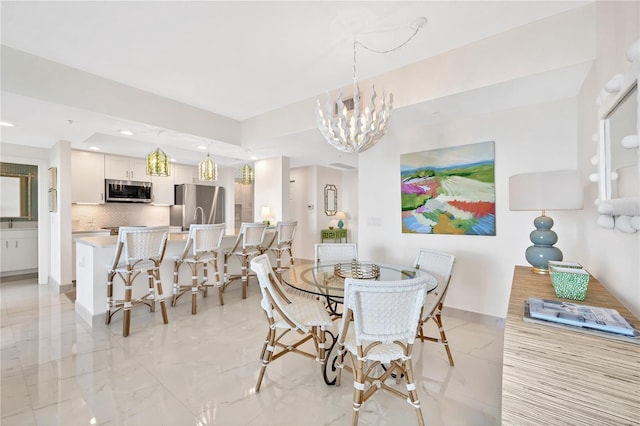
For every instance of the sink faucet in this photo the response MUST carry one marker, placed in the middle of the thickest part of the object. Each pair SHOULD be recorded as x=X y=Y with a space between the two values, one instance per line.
x=195 y=214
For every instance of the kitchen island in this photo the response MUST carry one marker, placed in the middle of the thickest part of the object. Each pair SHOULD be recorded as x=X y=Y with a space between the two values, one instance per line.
x=95 y=254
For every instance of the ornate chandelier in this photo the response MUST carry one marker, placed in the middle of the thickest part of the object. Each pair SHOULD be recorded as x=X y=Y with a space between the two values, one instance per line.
x=347 y=124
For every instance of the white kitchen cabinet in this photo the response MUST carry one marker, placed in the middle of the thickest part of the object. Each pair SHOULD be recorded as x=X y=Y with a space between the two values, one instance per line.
x=87 y=177
x=125 y=168
x=18 y=250
x=183 y=173
x=163 y=192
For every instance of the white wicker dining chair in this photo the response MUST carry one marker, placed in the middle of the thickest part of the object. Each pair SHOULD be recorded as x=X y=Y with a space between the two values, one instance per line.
x=281 y=242
x=378 y=328
x=440 y=265
x=201 y=250
x=286 y=316
x=138 y=250
x=247 y=245
x=335 y=252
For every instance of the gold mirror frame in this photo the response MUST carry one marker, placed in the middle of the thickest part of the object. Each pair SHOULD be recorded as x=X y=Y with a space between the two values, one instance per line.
x=330 y=200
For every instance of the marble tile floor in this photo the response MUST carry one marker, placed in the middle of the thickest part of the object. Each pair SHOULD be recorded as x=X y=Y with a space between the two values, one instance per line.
x=201 y=369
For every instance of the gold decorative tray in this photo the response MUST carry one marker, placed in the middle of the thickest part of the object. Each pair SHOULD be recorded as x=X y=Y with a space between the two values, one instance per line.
x=357 y=270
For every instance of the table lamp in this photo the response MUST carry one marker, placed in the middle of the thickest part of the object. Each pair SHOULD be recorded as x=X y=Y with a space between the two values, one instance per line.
x=557 y=190
x=265 y=214
x=340 y=216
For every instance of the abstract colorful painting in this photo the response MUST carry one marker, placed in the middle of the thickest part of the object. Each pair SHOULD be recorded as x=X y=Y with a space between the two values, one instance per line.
x=449 y=190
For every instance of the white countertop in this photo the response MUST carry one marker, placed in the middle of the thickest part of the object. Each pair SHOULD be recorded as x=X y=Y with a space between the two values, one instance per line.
x=111 y=240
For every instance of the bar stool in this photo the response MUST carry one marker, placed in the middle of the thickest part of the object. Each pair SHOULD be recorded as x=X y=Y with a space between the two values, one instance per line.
x=138 y=250
x=282 y=241
x=201 y=249
x=248 y=244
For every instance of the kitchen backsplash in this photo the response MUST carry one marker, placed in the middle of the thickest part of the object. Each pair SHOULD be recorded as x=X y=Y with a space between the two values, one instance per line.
x=90 y=217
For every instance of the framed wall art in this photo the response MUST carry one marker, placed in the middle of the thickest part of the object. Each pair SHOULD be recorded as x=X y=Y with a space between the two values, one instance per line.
x=449 y=190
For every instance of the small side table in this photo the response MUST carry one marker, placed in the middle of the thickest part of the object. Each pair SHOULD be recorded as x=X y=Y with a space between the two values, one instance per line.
x=335 y=234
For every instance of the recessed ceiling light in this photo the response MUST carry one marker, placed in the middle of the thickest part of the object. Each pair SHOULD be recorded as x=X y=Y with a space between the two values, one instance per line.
x=6 y=124
x=127 y=132
x=173 y=160
x=94 y=148
x=202 y=147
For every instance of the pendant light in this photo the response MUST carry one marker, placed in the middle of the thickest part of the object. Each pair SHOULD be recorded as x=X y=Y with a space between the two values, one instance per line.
x=246 y=174
x=207 y=169
x=158 y=162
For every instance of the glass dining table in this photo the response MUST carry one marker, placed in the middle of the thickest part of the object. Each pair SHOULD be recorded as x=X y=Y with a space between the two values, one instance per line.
x=326 y=281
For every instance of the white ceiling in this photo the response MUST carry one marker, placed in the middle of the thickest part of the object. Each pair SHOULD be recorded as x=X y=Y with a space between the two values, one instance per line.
x=237 y=59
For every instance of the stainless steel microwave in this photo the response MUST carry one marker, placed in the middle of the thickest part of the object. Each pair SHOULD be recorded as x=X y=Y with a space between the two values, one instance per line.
x=126 y=191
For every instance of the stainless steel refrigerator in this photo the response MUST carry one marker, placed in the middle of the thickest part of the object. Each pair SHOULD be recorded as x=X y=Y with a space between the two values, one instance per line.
x=197 y=204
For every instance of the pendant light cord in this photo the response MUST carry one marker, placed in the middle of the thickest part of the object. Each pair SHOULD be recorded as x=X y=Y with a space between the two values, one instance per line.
x=419 y=23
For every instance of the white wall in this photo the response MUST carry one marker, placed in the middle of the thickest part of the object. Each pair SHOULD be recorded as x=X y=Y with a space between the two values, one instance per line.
x=610 y=255
x=60 y=220
x=533 y=138
x=271 y=188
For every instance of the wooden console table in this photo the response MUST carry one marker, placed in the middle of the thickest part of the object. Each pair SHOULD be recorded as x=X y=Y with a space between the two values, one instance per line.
x=336 y=234
x=558 y=376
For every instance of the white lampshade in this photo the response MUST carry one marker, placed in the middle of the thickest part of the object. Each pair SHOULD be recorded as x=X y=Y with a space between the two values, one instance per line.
x=557 y=190
x=341 y=215
x=265 y=212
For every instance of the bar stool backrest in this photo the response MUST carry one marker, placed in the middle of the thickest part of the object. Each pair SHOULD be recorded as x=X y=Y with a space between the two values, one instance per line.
x=251 y=235
x=285 y=231
x=142 y=243
x=206 y=238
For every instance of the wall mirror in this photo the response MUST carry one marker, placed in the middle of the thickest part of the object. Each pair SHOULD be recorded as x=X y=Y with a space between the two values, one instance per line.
x=619 y=165
x=18 y=189
x=618 y=178
x=330 y=200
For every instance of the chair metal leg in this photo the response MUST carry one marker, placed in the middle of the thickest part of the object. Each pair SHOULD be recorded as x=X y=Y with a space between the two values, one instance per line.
x=358 y=389
x=245 y=276
x=160 y=296
x=152 y=291
x=411 y=389
x=176 y=285
x=194 y=291
x=267 y=353
x=107 y=319
x=443 y=337
x=126 y=323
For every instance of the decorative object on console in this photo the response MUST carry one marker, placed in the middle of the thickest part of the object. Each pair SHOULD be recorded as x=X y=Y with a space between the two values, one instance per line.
x=341 y=216
x=556 y=190
x=449 y=190
x=207 y=169
x=158 y=163
x=350 y=126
